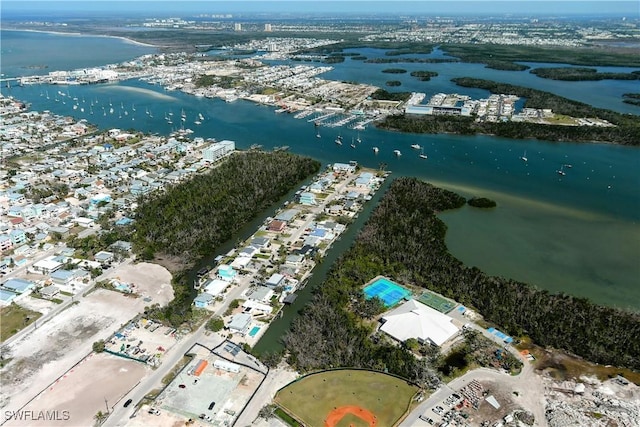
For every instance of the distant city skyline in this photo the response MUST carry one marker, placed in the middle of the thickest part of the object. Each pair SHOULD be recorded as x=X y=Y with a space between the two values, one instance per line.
x=498 y=8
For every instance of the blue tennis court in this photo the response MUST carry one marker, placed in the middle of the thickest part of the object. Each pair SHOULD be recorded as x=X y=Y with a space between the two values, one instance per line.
x=389 y=292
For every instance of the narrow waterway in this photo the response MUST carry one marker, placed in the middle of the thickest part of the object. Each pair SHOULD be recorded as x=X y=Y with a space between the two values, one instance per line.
x=271 y=341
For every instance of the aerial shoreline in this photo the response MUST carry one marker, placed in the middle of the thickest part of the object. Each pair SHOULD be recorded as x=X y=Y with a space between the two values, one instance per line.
x=80 y=34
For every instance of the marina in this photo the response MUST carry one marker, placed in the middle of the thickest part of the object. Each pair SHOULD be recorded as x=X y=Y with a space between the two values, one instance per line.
x=530 y=197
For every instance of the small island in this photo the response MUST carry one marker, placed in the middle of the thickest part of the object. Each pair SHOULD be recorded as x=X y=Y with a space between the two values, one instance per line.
x=581 y=74
x=481 y=202
x=394 y=70
x=424 y=76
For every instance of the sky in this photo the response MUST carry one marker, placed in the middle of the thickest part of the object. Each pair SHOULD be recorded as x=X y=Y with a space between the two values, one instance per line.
x=630 y=9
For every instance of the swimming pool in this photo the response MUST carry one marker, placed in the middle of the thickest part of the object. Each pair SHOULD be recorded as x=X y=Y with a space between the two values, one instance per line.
x=388 y=291
x=254 y=331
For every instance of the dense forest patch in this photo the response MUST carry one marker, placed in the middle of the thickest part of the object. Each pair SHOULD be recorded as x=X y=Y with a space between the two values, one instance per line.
x=581 y=73
x=404 y=239
x=192 y=218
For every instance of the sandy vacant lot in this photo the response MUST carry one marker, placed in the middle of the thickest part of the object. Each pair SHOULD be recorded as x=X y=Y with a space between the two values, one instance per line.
x=83 y=390
x=42 y=356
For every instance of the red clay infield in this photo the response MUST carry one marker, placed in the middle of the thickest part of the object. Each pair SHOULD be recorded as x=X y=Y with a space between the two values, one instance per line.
x=338 y=414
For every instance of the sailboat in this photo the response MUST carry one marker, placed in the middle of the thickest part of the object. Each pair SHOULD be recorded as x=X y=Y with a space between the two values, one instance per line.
x=422 y=155
x=524 y=157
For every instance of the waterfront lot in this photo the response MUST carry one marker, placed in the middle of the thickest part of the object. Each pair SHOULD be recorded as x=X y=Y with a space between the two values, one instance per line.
x=42 y=356
x=83 y=390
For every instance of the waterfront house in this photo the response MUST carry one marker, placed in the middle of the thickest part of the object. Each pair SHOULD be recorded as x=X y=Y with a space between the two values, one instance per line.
x=287 y=215
x=215 y=287
x=276 y=225
x=294 y=260
x=240 y=323
x=226 y=273
x=260 y=294
x=275 y=280
x=260 y=242
x=307 y=199
x=250 y=306
x=344 y=167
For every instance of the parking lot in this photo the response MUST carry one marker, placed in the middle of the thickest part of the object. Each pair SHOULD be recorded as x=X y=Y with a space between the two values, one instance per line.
x=143 y=339
x=215 y=393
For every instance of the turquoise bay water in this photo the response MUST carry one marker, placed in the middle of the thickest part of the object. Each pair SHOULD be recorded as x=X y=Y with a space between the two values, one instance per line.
x=579 y=233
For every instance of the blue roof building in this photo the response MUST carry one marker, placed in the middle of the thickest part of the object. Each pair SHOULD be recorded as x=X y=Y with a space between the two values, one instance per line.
x=203 y=300
x=18 y=286
x=226 y=273
x=6 y=296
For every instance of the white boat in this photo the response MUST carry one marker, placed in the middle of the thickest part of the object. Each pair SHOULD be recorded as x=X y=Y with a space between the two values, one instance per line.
x=416 y=146
x=397 y=153
x=524 y=157
x=376 y=149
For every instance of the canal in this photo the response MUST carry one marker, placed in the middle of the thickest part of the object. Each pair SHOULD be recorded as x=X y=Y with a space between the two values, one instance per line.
x=271 y=341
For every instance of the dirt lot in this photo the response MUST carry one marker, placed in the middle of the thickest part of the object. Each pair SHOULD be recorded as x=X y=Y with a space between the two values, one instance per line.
x=42 y=356
x=75 y=393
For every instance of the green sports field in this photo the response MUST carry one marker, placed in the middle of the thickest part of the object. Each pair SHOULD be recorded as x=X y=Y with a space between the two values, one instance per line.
x=436 y=302
x=312 y=398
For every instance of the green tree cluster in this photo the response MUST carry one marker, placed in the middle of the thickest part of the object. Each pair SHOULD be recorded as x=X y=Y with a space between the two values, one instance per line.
x=404 y=239
x=192 y=218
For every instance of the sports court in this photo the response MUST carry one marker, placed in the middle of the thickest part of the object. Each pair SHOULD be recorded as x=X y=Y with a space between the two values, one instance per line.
x=437 y=302
x=388 y=291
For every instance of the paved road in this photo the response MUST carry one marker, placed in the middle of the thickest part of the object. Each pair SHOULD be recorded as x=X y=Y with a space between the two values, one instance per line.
x=120 y=414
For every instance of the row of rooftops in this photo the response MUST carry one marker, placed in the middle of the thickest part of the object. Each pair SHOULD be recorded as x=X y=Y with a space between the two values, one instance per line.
x=100 y=175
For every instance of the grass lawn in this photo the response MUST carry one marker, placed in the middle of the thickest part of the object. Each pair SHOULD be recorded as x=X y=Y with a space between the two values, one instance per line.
x=13 y=318
x=312 y=398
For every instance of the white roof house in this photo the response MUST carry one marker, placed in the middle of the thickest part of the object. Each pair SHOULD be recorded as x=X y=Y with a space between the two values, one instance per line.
x=416 y=320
